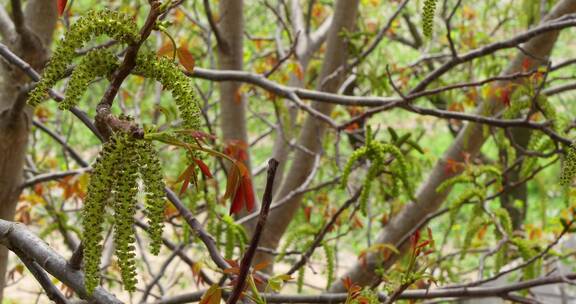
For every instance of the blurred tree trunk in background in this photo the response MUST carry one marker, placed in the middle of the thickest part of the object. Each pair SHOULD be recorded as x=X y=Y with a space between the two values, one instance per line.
x=312 y=132
x=307 y=43
x=29 y=35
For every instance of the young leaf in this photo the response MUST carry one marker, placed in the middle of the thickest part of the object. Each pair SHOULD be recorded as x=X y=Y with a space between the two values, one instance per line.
x=203 y=168
x=238 y=200
x=186 y=176
x=248 y=192
x=212 y=296
x=232 y=182
x=166 y=50
x=186 y=58
x=61 y=4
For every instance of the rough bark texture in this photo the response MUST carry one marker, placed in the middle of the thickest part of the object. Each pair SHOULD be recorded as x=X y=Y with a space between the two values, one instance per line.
x=468 y=142
x=312 y=131
x=30 y=43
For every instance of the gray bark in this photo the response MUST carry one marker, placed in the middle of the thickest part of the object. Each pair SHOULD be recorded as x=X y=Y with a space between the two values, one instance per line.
x=17 y=236
x=232 y=104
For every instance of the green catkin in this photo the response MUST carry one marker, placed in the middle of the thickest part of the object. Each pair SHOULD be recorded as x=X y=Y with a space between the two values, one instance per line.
x=569 y=167
x=99 y=187
x=329 y=252
x=526 y=252
x=151 y=174
x=300 y=279
x=428 y=17
x=354 y=157
x=241 y=237
x=121 y=163
x=125 y=191
x=172 y=78
x=500 y=258
x=117 y=26
x=537 y=142
x=96 y=63
x=218 y=233
x=475 y=224
x=376 y=152
x=464 y=197
x=489 y=171
x=459 y=179
x=292 y=235
x=504 y=218
x=230 y=243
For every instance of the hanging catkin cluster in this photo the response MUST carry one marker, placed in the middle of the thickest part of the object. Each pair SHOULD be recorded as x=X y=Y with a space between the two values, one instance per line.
x=376 y=152
x=117 y=26
x=428 y=17
x=124 y=160
x=173 y=79
x=114 y=183
x=97 y=63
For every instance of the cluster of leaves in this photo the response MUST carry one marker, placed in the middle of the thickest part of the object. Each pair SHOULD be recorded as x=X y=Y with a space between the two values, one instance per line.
x=114 y=183
x=357 y=294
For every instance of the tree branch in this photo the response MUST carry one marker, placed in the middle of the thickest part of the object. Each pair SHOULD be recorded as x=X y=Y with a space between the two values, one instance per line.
x=52 y=291
x=249 y=255
x=502 y=291
x=16 y=236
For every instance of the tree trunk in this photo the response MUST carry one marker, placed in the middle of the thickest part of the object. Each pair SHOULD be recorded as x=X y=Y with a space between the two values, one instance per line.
x=230 y=54
x=31 y=43
x=468 y=142
x=307 y=45
x=312 y=131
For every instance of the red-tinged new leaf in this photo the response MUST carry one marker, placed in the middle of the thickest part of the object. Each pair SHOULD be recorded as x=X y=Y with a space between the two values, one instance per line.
x=232 y=270
x=261 y=266
x=505 y=96
x=212 y=296
x=167 y=49
x=186 y=58
x=61 y=4
x=526 y=63
x=248 y=193
x=232 y=182
x=197 y=272
x=238 y=200
x=347 y=282
x=203 y=168
x=185 y=177
x=307 y=213
x=233 y=263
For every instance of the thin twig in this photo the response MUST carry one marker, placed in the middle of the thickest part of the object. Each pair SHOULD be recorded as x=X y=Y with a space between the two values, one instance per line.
x=249 y=255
